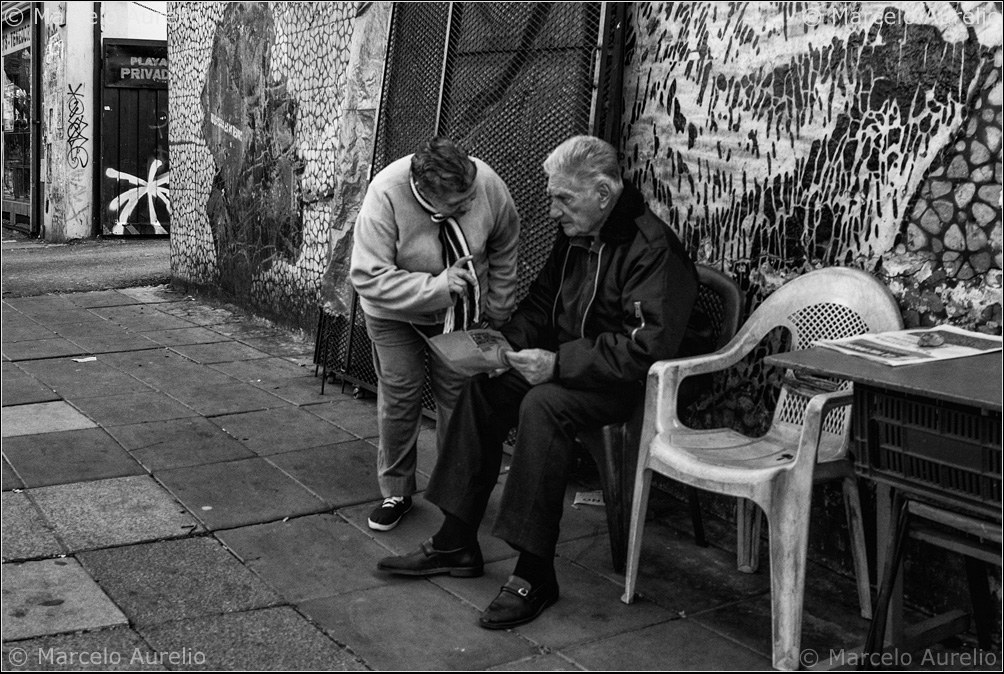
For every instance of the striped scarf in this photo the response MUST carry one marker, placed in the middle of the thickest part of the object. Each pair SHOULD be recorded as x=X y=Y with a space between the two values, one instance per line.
x=466 y=311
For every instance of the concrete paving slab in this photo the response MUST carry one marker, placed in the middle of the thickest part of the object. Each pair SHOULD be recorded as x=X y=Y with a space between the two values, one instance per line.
x=271 y=639
x=285 y=348
x=10 y=478
x=406 y=624
x=51 y=417
x=26 y=535
x=239 y=493
x=180 y=336
x=69 y=314
x=270 y=338
x=226 y=398
x=89 y=329
x=108 y=649
x=306 y=391
x=161 y=445
x=358 y=417
x=153 y=294
x=200 y=314
x=141 y=318
x=677 y=645
x=590 y=607
x=309 y=557
x=220 y=352
x=126 y=341
x=22 y=329
x=117 y=511
x=674 y=572
x=537 y=663
x=99 y=298
x=342 y=474
x=41 y=348
x=69 y=456
x=74 y=380
x=284 y=429
x=131 y=408
x=165 y=370
x=176 y=580
x=53 y=596
x=265 y=369
x=830 y=616
x=20 y=388
x=41 y=304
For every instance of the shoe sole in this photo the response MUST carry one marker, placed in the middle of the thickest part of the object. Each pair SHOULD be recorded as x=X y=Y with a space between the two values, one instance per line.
x=375 y=526
x=521 y=621
x=455 y=571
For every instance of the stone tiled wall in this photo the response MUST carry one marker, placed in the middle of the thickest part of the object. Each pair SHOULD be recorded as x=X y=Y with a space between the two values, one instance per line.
x=275 y=110
x=782 y=137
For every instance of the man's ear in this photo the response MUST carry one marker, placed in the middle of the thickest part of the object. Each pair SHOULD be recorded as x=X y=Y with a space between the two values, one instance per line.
x=604 y=192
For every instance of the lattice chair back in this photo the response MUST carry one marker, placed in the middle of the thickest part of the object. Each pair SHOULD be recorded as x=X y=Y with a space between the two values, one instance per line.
x=825 y=304
x=722 y=301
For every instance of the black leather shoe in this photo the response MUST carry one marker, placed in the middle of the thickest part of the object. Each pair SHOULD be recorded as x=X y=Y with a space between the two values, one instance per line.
x=518 y=603
x=426 y=561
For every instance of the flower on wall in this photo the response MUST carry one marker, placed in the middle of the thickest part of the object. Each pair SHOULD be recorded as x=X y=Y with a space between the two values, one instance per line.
x=154 y=188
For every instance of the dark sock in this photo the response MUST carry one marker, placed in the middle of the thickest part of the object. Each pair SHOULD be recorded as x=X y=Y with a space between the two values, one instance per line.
x=455 y=533
x=534 y=570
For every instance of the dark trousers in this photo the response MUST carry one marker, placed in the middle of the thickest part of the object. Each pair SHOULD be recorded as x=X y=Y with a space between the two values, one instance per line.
x=547 y=418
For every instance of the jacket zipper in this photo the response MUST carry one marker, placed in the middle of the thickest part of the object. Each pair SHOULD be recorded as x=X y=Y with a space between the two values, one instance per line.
x=596 y=285
x=557 y=295
x=641 y=317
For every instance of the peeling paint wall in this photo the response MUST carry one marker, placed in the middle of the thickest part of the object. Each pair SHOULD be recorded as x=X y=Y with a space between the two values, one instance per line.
x=68 y=121
x=274 y=107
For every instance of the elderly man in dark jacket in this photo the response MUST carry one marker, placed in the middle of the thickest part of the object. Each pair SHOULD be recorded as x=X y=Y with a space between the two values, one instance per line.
x=615 y=296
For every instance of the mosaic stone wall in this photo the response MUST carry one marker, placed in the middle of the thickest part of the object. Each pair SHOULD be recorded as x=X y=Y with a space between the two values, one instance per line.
x=781 y=137
x=275 y=111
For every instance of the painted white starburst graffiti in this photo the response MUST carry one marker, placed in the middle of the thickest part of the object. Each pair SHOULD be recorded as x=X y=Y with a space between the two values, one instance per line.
x=153 y=188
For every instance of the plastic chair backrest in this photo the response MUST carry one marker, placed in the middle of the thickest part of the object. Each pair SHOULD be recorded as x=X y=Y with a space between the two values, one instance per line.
x=823 y=304
x=722 y=301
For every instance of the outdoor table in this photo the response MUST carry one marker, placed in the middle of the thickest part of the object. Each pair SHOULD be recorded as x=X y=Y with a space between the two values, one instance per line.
x=932 y=433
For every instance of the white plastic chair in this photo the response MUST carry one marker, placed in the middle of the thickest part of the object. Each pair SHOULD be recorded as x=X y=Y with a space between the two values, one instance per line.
x=808 y=439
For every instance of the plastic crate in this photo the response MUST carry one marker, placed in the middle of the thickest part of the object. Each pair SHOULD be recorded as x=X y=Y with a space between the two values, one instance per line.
x=930 y=446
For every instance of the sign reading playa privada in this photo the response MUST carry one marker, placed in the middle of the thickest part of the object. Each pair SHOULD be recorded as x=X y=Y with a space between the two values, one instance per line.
x=136 y=64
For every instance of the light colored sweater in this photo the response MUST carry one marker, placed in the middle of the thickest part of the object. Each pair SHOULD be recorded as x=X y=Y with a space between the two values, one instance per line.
x=397 y=259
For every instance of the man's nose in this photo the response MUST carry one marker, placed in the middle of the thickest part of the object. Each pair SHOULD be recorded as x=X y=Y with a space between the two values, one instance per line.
x=554 y=212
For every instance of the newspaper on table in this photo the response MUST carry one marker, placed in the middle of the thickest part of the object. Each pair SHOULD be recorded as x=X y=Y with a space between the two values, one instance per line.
x=907 y=347
x=471 y=352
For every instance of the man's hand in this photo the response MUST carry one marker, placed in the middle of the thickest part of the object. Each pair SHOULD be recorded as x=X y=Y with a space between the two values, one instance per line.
x=535 y=365
x=458 y=276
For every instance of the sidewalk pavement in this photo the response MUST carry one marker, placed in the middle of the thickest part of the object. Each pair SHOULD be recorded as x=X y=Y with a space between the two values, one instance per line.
x=177 y=494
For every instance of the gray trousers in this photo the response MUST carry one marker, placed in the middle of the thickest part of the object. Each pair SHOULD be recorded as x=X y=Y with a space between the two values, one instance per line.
x=547 y=418
x=399 y=360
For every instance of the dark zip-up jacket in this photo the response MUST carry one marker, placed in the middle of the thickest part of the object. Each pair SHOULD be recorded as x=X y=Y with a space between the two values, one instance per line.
x=610 y=307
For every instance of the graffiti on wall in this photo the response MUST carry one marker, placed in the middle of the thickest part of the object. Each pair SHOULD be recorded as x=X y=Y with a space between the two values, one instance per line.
x=780 y=137
x=271 y=139
x=76 y=125
x=249 y=121
x=153 y=191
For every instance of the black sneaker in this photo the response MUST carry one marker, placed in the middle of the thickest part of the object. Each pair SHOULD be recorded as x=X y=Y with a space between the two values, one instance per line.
x=389 y=513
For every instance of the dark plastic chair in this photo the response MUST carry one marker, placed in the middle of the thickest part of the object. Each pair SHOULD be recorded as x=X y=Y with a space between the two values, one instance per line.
x=615 y=447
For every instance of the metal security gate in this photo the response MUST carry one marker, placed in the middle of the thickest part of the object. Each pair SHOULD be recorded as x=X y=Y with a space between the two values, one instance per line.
x=508 y=81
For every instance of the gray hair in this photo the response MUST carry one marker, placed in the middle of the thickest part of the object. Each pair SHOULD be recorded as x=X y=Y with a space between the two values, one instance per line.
x=441 y=166
x=587 y=159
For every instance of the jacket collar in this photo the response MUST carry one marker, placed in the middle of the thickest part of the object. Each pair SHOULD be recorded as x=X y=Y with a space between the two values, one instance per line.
x=620 y=226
